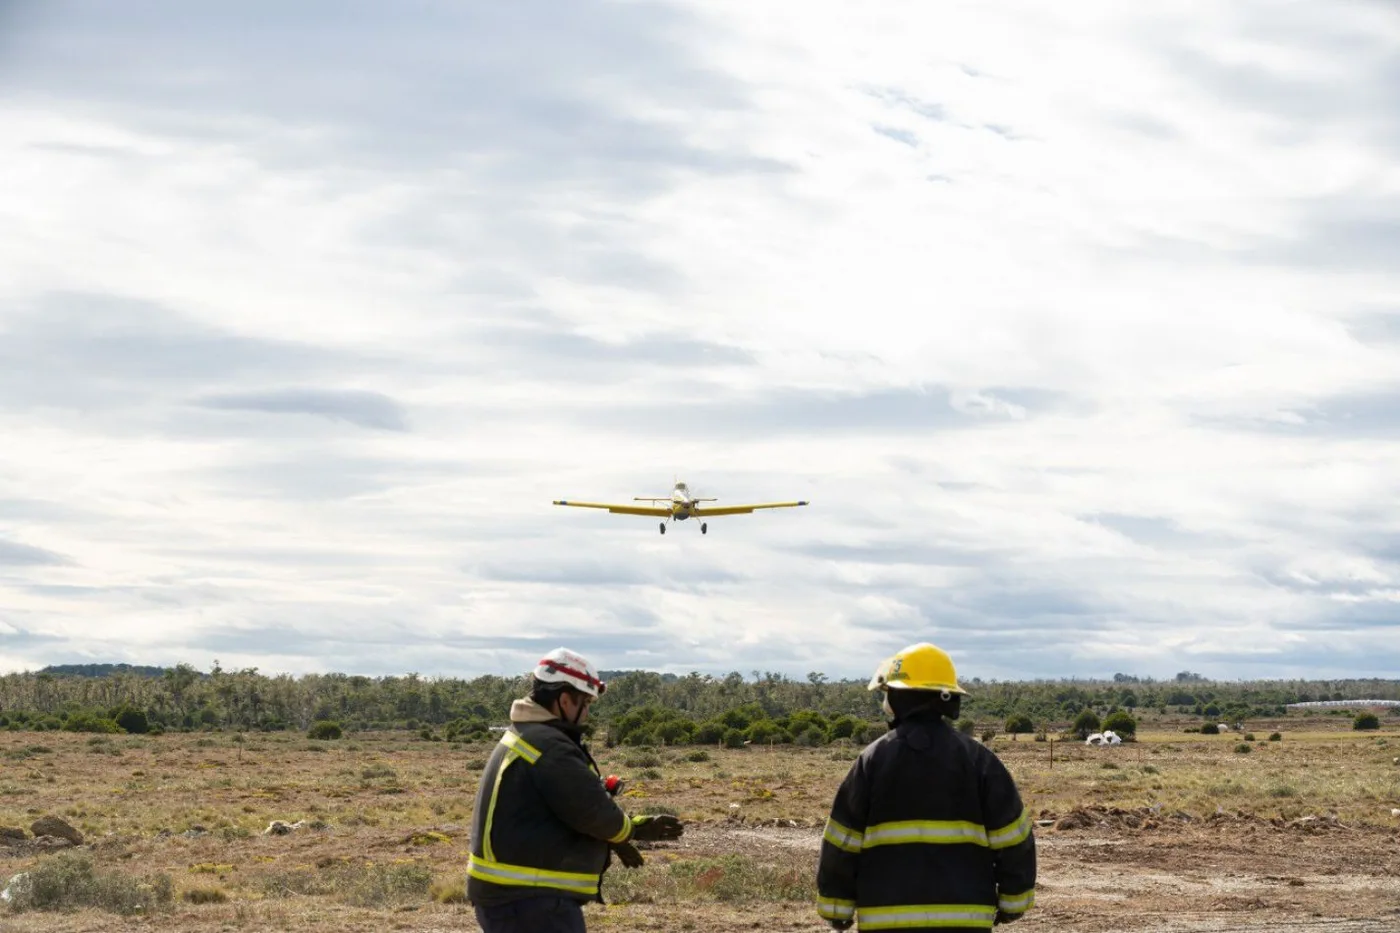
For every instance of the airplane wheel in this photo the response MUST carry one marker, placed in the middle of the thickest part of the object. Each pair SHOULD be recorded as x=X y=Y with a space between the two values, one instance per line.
x=663 y=528
x=704 y=528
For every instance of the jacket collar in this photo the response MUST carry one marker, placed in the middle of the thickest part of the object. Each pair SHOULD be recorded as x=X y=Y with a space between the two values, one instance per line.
x=526 y=710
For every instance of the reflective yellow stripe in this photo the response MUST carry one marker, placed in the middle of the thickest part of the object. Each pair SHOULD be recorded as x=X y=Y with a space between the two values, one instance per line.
x=521 y=747
x=524 y=876
x=931 y=831
x=491 y=807
x=841 y=837
x=907 y=916
x=1017 y=903
x=1008 y=836
x=835 y=908
x=625 y=833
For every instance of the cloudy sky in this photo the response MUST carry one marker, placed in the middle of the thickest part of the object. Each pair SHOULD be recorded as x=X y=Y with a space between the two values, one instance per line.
x=1078 y=324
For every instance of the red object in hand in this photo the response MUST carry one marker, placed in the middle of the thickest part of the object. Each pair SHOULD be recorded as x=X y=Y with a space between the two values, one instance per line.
x=613 y=783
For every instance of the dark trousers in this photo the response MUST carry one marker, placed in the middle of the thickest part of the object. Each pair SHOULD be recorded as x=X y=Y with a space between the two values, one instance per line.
x=546 y=914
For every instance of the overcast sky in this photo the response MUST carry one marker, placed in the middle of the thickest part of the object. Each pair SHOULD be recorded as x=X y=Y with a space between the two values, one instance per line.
x=1078 y=324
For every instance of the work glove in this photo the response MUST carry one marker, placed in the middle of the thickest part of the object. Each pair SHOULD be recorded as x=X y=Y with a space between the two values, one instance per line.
x=1003 y=917
x=840 y=924
x=651 y=828
x=628 y=854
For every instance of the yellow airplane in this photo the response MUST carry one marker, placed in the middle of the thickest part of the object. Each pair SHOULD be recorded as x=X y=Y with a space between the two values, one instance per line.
x=682 y=505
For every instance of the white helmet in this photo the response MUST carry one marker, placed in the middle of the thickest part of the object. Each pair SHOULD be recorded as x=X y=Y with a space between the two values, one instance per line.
x=562 y=666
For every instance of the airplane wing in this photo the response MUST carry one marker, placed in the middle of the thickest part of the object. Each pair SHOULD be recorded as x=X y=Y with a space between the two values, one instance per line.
x=745 y=509
x=620 y=509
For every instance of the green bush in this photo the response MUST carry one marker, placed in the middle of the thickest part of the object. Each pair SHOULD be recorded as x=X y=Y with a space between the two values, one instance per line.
x=843 y=727
x=1243 y=748
x=1085 y=723
x=1019 y=724
x=325 y=730
x=1276 y=737
x=68 y=881
x=966 y=726
x=733 y=738
x=1210 y=728
x=698 y=755
x=1366 y=721
x=89 y=722
x=133 y=720
x=1121 y=723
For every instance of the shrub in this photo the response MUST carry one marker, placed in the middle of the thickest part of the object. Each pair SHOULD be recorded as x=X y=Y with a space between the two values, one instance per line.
x=1366 y=721
x=1276 y=737
x=966 y=726
x=1085 y=723
x=765 y=730
x=1210 y=728
x=133 y=720
x=871 y=732
x=204 y=896
x=733 y=738
x=67 y=881
x=451 y=890
x=326 y=730
x=988 y=735
x=1019 y=724
x=698 y=755
x=1243 y=748
x=1249 y=736
x=1121 y=723
x=87 y=722
x=709 y=733
x=843 y=727
x=642 y=760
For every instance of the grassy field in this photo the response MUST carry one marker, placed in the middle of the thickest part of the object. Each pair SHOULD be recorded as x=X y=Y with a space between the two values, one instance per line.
x=174 y=828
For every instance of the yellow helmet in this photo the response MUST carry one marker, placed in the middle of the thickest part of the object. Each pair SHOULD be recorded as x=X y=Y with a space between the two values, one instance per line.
x=918 y=667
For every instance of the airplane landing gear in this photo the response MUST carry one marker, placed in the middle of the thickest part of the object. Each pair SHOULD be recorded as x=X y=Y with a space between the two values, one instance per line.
x=704 y=528
x=663 y=528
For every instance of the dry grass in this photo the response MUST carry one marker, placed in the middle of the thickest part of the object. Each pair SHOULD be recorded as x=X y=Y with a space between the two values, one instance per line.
x=397 y=812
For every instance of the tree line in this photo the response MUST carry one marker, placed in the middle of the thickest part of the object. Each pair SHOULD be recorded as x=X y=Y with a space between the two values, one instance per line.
x=640 y=707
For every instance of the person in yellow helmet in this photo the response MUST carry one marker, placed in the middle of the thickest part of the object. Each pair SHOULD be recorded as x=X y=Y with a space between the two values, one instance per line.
x=927 y=831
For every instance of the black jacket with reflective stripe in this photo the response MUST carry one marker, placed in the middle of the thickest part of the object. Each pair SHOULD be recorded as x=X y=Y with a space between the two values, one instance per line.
x=543 y=819
x=927 y=826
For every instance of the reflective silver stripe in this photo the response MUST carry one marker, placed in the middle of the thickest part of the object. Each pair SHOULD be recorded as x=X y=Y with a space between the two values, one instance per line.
x=931 y=831
x=841 y=837
x=1017 y=903
x=524 y=876
x=926 y=915
x=835 y=908
x=1008 y=836
x=521 y=747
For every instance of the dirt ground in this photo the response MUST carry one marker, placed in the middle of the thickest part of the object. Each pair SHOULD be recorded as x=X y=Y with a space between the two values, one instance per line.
x=1175 y=834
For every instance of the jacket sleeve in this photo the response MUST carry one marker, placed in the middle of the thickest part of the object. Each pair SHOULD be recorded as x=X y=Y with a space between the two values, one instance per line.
x=1010 y=836
x=577 y=797
x=841 y=845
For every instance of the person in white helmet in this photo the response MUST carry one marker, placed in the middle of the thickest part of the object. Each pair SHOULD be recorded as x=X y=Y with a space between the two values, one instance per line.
x=545 y=826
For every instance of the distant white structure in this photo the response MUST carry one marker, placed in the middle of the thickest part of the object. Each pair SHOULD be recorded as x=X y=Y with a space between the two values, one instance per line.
x=1223 y=726
x=1106 y=737
x=1319 y=704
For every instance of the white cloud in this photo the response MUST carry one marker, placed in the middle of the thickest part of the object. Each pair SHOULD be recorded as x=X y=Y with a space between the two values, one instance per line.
x=1074 y=324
